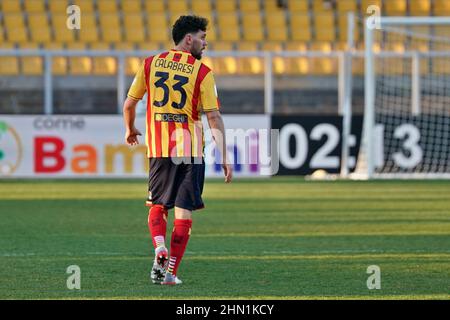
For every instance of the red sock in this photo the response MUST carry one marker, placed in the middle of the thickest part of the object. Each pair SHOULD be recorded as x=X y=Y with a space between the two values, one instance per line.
x=180 y=238
x=157 y=223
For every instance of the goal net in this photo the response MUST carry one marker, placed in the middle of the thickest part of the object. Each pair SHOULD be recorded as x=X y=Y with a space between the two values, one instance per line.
x=406 y=128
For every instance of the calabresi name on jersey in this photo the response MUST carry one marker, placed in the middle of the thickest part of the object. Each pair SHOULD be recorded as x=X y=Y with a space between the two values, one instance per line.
x=174 y=65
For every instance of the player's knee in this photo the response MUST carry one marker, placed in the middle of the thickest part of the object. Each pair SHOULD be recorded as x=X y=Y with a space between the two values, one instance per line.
x=184 y=214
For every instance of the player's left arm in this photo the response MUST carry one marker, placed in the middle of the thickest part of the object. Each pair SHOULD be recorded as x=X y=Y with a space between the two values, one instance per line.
x=210 y=104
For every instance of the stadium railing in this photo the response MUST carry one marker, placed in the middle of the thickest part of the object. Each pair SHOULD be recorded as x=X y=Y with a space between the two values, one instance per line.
x=268 y=58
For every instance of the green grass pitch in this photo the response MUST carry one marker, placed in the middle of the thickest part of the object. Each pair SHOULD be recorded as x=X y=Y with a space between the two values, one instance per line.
x=279 y=238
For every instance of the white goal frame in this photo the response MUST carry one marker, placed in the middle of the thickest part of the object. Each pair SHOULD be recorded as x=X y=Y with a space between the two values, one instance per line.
x=368 y=136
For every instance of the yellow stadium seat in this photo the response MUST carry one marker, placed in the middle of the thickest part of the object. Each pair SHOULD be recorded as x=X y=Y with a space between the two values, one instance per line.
x=61 y=32
x=277 y=34
x=300 y=27
x=2 y=38
x=344 y=6
x=441 y=8
x=228 y=27
x=419 y=7
x=58 y=7
x=110 y=26
x=31 y=65
x=365 y=4
x=298 y=6
x=276 y=26
x=88 y=34
x=9 y=65
x=154 y=6
x=86 y=6
x=59 y=64
x=272 y=6
x=37 y=20
x=133 y=20
x=253 y=34
x=252 y=27
x=249 y=6
x=112 y=36
x=324 y=27
x=223 y=65
x=279 y=64
x=109 y=21
x=395 y=7
x=88 y=20
x=34 y=6
x=320 y=6
x=10 y=6
x=79 y=65
x=131 y=6
x=17 y=35
x=201 y=6
x=178 y=7
x=250 y=65
x=276 y=20
x=131 y=63
x=15 y=28
x=134 y=28
x=323 y=65
x=103 y=66
x=157 y=28
x=106 y=6
x=151 y=46
x=211 y=32
x=225 y=6
x=297 y=65
x=41 y=35
x=58 y=21
x=14 y=20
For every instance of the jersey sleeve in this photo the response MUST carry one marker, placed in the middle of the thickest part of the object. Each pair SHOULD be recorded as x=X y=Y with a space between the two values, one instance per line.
x=138 y=87
x=208 y=92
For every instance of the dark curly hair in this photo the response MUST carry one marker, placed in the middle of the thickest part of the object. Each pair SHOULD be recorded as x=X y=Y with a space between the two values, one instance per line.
x=188 y=24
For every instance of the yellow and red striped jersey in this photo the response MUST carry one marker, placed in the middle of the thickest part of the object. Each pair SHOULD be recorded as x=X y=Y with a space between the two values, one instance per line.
x=179 y=87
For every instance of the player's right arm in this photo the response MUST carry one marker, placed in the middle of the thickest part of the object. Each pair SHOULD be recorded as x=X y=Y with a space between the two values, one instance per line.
x=129 y=115
x=136 y=92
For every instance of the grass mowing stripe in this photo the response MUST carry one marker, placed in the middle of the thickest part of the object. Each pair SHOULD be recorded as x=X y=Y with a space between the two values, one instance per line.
x=319 y=237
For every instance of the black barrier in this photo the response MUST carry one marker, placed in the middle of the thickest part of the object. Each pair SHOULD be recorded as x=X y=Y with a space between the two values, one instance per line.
x=310 y=143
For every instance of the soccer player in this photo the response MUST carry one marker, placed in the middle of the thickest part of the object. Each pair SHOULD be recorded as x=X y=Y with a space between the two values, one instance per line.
x=179 y=88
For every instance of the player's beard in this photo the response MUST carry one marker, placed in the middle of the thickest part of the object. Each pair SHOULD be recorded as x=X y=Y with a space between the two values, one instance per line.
x=197 y=55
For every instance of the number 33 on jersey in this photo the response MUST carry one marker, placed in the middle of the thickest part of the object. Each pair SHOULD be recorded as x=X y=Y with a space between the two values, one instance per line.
x=179 y=87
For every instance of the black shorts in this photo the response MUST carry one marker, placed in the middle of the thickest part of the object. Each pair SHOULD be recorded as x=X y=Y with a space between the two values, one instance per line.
x=176 y=182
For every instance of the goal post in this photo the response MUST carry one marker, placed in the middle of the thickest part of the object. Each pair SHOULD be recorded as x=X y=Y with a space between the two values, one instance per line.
x=406 y=122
